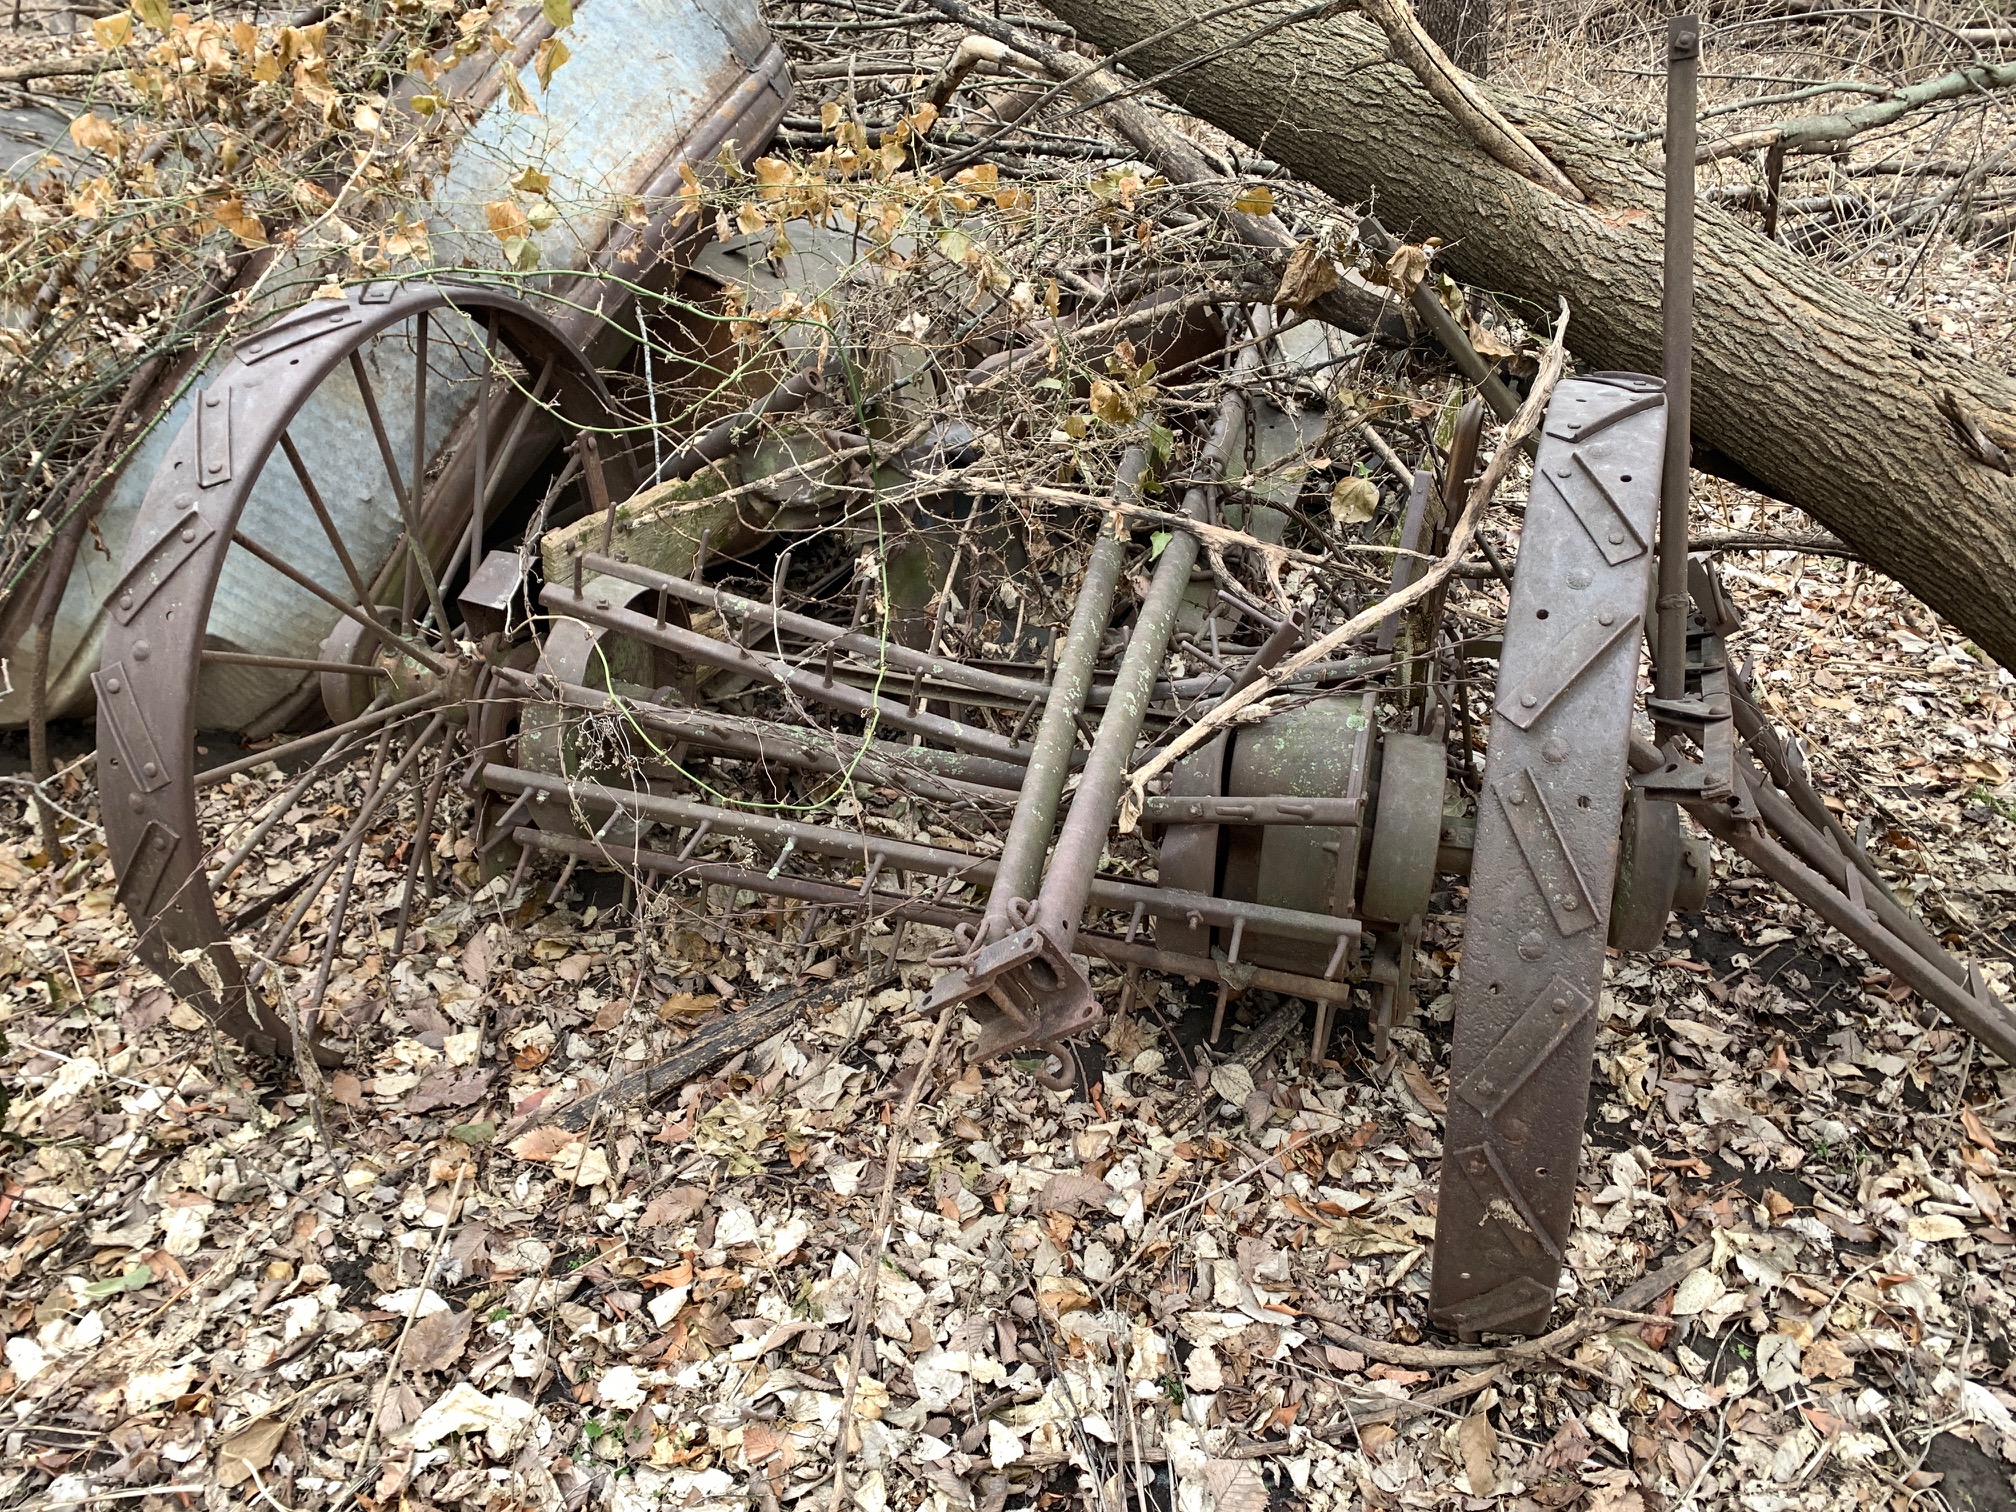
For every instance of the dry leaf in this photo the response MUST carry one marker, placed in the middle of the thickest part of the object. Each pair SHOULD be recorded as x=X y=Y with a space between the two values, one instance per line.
x=436 y=1341
x=1353 y=501
x=1254 y=199
x=1479 y=1445
x=250 y=1448
x=1307 y=278
x=94 y=133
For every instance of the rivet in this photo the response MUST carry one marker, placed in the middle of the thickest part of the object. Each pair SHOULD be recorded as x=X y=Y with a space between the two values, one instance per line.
x=125 y=601
x=1561 y=1005
x=114 y=685
x=141 y=650
x=1616 y=538
x=1555 y=749
x=1569 y=905
x=1531 y=946
x=136 y=803
x=216 y=467
x=210 y=401
x=150 y=770
x=1477 y=1162
x=1514 y=1130
x=188 y=534
x=1528 y=700
x=160 y=842
x=1607 y=617
x=1516 y=799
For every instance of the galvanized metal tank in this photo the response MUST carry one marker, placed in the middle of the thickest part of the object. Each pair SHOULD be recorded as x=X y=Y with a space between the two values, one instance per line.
x=649 y=85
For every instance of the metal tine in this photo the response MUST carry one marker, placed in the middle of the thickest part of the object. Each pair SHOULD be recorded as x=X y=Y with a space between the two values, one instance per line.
x=567 y=871
x=422 y=846
x=367 y=815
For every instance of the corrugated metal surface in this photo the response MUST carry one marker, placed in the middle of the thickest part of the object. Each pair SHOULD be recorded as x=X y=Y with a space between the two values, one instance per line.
x=649 y=82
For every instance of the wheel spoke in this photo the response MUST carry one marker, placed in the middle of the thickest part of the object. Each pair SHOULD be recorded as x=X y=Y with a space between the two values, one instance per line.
x=277 y=809
x=416 y=544
x=490 y=469
x=368 y=720
x=322 y=513
x=357 y=612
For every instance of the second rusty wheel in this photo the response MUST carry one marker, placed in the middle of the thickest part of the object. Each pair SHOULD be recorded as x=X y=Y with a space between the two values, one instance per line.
x=314 y=594
x=1546 y=854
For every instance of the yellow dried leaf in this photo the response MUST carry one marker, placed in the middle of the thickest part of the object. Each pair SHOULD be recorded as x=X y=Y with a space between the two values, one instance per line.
x=154 y=13
x=366 y=120
x=547 y=60
x=94 y=133
x=689 y=187
x=1113 y=404
x=506 y=219
x=830 y=115
x=532 y=181
x=1354 y=501
x=90 y=198
x=112 y=32
x=1307 y=278
x=520 y=97
x=1255 y=199
x=923 y=118
x=245 y=37
x=522 y=253
x=558 y=12
x=749 y=219
x=231 y=214
x=774 y=177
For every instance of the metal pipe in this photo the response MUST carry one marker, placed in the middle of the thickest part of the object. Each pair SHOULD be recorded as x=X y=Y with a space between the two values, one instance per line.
x=726 y=434
x=945 y=775
x=1683 y=67
x=1061 y=902
x=1035 y=821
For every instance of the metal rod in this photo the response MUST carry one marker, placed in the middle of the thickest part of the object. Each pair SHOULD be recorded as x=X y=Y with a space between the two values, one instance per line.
x=357 y=612
x=366 y=721
x=290 y=663
x=408 y=499
x=1683 y=66
x=1035 y=821
x=902 y=658
x=322 y=513
x=1130 y=953
x=708 y=651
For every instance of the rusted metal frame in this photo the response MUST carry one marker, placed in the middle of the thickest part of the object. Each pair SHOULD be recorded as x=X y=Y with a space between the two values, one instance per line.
x=355 y=612
x=1789 y=772
x=1035 y=819
x=708 y=651
x=1683 y=66
x=1454 y=340
x=489 y=472
x=1545 y=856
x=1813 y=847
x=1972 y=1004
x=824 y=635
x=422 y=843
x=962 y=774
x=908 y=855
x=409 y=507
x=1122 y=951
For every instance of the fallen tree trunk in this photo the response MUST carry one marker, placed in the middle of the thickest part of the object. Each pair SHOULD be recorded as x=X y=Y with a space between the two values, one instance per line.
x=1827 y=398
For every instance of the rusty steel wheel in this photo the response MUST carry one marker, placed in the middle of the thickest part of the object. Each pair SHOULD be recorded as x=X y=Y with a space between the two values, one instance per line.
x=1545 y=858
x=295 y=568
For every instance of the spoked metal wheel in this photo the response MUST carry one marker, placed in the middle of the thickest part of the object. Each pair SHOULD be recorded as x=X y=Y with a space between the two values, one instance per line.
x=296 y=567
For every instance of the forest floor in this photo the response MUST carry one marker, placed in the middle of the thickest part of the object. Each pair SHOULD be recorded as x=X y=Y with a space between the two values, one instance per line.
x=428 y=1284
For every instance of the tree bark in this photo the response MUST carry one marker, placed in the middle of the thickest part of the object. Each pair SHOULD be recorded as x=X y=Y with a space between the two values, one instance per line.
x=1827 y=398
x=1462 y=29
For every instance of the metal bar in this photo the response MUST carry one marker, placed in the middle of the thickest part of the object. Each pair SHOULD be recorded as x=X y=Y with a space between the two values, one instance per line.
x=1035 y=821
x=1327 y=812
x=809 y=685
x=1284 y=638
x=1125 y=952
x=290 y=663
x=1683 y=66
x=932 y=860
x=962 y=774
x=902 y=658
